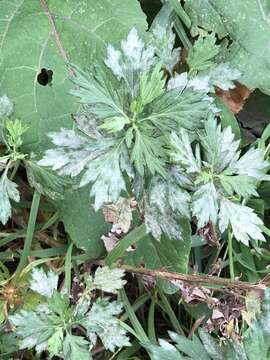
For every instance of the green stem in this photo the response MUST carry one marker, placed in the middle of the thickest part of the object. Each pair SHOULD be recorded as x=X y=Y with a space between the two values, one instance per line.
x=182 y=34
x=230 y=246
x=170 y=313
x=30 y=231
x=133 y=318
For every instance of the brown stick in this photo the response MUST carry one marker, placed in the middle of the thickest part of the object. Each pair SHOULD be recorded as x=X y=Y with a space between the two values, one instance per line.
x=56 y=35
x=210 y=281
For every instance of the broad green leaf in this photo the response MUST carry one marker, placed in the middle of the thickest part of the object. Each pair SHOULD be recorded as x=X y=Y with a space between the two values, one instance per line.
x=83 y=224
x=6 y=106
x=249 y=51
x=202 y=14
x=166 y=253
x=84 y=27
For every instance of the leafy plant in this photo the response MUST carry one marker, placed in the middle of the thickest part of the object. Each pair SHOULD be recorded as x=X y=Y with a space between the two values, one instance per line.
x=256 y=343
x=50 y=324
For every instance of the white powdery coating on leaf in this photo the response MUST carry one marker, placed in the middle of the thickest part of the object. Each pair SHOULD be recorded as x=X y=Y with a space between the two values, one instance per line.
x=245 y=223
x=113 y=61
x=6 y=106
x=251 y=164
x=109 y=280
x=179 y=81
x=205 y=204
x=223 y=76
x=132 y=48
x=200 y=83
x=8 y=190
x=67 y=138
x=163 y=40
x=42 y=283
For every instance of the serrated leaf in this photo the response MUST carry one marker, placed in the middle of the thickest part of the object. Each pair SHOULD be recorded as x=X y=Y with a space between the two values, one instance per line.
x=133 y=59
x=148 y=153
x=252 y=164
x=42 y=283
x=32 y=328
x=221 y=148
x=242 y=185
x=244 y=222
x=179 y=108
x=249 y=52
x=109 y=280
x=45 y=181
x=102 y=320
x=152 y=85
x=8 y=191
x=55 y=343
x=205 y=204
x=166 y=204
x=162 y=39
x=201 y=55
x=182 y=152
x=76 y=348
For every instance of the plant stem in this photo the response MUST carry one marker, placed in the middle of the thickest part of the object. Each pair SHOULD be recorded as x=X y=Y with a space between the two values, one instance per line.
x=170 y=312
x=208 y=280
x=29 y=232
x=133 y=318
x=230 y=246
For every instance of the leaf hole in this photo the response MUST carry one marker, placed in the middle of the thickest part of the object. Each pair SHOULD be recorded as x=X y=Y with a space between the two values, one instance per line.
x=45 y=77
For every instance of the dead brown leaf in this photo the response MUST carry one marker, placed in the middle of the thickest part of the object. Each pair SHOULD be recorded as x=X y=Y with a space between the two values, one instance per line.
x=234 y=98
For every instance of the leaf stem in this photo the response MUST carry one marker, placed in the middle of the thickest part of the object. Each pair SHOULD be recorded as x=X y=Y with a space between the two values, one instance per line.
x=230 y=248
x=29 y=232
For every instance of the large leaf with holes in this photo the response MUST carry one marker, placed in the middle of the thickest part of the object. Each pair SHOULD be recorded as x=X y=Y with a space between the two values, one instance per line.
x=166 y=254
x=28 y=44
x=248 y=24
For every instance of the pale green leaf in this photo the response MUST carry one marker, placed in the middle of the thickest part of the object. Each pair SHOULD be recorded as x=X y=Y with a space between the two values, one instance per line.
x=162 y=39
x=221 y=148
x=201 y=55
x=32 y=328
x=102 y=320
x=55 y=343
x=182 y=152
x=205 y=204
x=166 y=204
x=179 y=108
x=245 y=223
x=8 y=191
x=42 y=283
x=242 y=185
x=76 y=348
x=152 y=85
x=109 y=280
